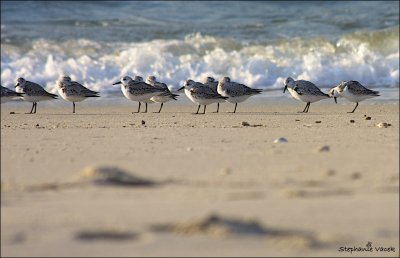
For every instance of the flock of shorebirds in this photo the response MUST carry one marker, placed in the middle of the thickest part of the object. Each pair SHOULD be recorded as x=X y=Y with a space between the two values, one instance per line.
x=202 y=93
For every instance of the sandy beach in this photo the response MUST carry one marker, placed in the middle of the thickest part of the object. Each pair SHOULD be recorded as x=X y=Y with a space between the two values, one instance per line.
x=219 y=185
x=266 y=181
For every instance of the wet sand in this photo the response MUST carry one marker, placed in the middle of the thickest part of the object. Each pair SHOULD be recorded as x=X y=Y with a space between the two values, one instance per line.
x=220 y=187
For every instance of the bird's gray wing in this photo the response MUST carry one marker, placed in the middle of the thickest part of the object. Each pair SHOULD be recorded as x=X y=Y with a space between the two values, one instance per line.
x=34 y=89
x=161 y=85
x=205 y=93
x=307 y=88
x=234 y=91
x=139 y=88
x=212 y=85
x=237 y=89
x=82 y=90
x=357 y=89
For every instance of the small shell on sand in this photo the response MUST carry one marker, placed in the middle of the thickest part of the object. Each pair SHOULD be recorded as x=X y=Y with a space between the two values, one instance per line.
x=113 y=175
x=280 y=140
x=226 y=171
x=355 y=175
x=324 y=148
x=330 y=172
x=382 y=125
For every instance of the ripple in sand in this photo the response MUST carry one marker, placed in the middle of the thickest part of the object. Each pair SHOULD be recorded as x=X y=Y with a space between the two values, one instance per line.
x=213 y=225
x=301 y=193
x=113 y=176
x=218 y=226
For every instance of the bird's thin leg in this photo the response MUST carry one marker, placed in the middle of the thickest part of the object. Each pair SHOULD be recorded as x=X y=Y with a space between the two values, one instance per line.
x=35 y=108
x=33 y=104
x=138 y=110
x=145 y=111
x=234 y=111
x=160 y=108
x=73 y=107
x=308 y=106
x=198 y=109
x=204 y=111
x=354 y=108
x=217 y=108
x=304 y=110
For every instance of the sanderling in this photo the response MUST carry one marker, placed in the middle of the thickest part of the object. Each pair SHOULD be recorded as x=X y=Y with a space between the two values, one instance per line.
x=146 y=101
x=304 y=91
x=165 y=97
x=201 y=94
x=352 y=91
x=212 y=83
x=8 y=95
x=32 y=92
x=235 y=92
x=74 y=91
x=138 y=90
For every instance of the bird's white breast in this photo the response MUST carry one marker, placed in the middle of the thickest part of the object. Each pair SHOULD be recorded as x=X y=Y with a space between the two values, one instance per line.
x=352 y=97
x=72 y=98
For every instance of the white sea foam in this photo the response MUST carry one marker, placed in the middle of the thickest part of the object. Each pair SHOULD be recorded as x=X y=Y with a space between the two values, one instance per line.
x=369 y=57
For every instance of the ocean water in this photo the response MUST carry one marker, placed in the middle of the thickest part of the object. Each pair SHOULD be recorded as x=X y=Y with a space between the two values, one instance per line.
x=256 y=43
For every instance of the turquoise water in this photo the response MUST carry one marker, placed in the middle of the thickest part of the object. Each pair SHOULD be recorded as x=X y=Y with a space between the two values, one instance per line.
x=257 y=43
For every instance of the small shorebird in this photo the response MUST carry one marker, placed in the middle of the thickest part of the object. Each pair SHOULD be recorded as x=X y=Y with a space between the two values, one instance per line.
x=8 y=95
x=151 y=80
x=32 y=92
x=352 y=91
x=213 y=84
x=74 y=91
x=304 y=91
x=210 y=82
x=146 y=101
x=138 y=90
x=201 y=94
x=235 y=92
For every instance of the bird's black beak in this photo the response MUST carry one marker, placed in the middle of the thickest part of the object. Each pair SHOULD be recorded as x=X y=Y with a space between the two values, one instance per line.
x=284 y=89
x=16 y=85
x=117 y=83
x=335 y=99
x=181 y=88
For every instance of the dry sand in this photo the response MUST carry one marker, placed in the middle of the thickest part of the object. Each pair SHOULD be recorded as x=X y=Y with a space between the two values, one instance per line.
x=220 y=188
